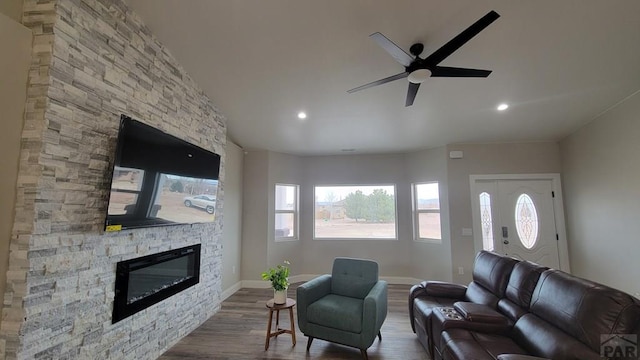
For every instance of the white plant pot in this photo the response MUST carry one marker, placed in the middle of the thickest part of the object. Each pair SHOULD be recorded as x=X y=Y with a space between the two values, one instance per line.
x=280 y=297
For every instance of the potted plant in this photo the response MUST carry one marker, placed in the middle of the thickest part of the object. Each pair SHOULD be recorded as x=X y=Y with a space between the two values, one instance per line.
x=279 y=277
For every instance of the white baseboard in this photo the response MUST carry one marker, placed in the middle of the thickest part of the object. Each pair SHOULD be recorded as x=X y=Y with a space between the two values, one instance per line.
x=261 y=284
x=230 y=291
x=400 y=280
x=302 y=278
x=255 y=284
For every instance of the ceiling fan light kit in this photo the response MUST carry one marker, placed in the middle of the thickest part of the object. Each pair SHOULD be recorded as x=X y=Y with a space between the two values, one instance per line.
x=417 y=69
x=419 y=76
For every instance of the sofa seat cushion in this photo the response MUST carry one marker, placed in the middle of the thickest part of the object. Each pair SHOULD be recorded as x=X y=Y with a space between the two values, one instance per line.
x=461 y=344
x=338 y=312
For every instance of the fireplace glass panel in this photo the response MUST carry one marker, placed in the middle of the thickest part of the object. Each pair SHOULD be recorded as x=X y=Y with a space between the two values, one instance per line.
x=149 y=280
x=145 y=281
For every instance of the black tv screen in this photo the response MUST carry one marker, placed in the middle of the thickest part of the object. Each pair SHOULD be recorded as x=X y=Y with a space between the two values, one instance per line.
x=159 y=179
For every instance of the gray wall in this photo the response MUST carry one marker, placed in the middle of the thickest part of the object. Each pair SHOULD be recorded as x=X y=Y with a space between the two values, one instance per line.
x=15 y=45
x=12 y=9
x=601 y=172
x=391 y=255
x=283 y=169
x=262 y=171
x=432 y=260
x=487 y=159
x=399 y=258
x=232 y=220
x=255 y=217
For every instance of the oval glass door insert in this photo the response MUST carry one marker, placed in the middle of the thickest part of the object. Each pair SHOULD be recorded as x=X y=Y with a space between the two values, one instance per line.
x=526 y=221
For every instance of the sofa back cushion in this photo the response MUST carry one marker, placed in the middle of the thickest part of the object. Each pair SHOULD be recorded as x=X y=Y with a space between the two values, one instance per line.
x=479 y=295
x=492 y=271
x=511 y=310
x=584 y=309
x=353 y=277
x=522 y=282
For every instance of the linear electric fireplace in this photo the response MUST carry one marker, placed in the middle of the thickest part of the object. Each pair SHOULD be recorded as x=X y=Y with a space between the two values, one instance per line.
x=147 y=280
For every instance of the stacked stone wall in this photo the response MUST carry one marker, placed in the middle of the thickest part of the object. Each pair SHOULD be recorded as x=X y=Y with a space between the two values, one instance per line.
x=92 y=61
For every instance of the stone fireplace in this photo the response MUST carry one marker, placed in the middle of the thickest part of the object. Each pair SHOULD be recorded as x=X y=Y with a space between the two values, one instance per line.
x=93 y=60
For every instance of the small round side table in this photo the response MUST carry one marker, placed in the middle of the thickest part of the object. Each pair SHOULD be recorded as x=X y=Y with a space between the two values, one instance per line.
x=277 y=307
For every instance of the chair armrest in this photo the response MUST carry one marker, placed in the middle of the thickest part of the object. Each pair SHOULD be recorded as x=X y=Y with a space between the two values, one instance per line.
x=374 y=312
x=443 y=289
x=308 y=293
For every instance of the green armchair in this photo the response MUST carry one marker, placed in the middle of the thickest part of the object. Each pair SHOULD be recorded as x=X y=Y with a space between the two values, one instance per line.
x=347 y=307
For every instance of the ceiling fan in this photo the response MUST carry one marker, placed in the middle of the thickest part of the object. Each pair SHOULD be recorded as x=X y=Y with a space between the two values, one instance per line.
x=417 y=70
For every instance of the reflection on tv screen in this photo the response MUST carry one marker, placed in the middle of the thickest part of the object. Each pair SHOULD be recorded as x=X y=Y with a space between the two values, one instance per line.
x=175 y=199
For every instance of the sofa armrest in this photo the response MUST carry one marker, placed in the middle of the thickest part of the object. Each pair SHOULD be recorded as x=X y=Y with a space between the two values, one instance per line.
x=480 y=313
x=308 y=293
x=374 y=312
x=443 y=289
x=519 y=357
x=435 y=289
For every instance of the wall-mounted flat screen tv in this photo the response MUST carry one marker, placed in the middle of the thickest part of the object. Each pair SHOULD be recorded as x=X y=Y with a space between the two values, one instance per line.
x=159 y=179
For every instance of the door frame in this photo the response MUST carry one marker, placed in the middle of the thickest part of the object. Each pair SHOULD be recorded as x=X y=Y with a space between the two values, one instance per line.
x=558 y=207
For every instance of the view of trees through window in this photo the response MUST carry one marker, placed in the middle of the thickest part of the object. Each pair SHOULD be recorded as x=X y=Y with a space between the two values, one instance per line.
x=355 y=212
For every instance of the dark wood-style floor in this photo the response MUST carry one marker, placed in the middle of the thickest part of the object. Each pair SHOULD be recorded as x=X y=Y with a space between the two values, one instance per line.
x=239 y=329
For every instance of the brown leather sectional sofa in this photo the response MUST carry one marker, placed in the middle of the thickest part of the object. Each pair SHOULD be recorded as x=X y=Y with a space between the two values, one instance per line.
x=517 y=310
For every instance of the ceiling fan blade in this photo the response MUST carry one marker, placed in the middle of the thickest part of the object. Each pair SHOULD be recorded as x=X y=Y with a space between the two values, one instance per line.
x=461 y=39
x=411 y=93
x=380 y=82
x=445 y=71
x=394 y=50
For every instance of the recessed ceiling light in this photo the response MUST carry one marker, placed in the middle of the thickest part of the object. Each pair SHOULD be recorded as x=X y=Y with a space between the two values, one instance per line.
x=503 y=107
x=302 y=115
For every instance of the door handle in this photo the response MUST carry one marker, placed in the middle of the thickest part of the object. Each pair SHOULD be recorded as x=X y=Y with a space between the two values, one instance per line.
x=505 y=241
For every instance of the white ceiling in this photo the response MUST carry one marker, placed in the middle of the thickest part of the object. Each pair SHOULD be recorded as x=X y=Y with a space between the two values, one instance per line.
x=558 y=63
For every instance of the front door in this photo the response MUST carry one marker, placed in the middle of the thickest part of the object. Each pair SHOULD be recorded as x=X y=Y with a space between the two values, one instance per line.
x=516 y=217
x=527 y=222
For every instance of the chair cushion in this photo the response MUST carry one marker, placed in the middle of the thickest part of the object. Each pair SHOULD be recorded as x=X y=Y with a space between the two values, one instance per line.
x=353 y=277
x=338 y=312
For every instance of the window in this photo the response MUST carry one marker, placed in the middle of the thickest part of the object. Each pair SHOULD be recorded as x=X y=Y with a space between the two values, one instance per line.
x=355 y=212
x=426 y=205
x=526 y=221
x=286 y=219
x=486 y=221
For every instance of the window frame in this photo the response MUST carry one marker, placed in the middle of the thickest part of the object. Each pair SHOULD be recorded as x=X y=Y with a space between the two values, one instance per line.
x=295 y=212
x=395 y=205
x=416 y=213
